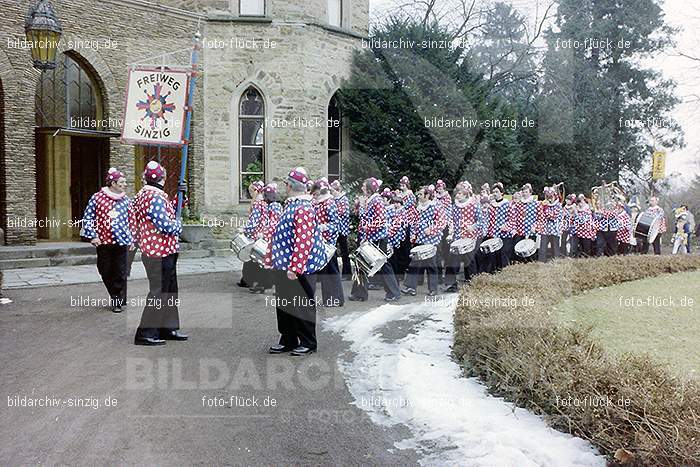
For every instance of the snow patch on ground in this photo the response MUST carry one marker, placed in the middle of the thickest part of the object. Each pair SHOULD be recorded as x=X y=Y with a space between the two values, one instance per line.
x=414 y=381
x=5 y=301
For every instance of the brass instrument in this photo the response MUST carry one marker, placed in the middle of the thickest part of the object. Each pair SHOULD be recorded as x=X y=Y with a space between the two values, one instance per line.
x=603 y=197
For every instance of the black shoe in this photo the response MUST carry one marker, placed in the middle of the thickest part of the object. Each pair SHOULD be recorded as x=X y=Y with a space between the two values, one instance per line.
x=116 y=309
x=409 y=291
x=175 y=336
x=392 y=299
x=279 y=348
x=352 y=298
x=257 y=290
x=451 y=289
x=242 y=284
x=431 y=293
x=148 y=341
x=374 y=287
x=301 y=350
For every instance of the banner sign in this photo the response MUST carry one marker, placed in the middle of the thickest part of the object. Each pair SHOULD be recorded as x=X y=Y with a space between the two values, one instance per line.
x=155 y=108
x=658 y=170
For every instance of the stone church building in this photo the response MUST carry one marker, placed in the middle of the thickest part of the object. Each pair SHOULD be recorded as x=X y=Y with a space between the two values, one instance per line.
x=265 y=101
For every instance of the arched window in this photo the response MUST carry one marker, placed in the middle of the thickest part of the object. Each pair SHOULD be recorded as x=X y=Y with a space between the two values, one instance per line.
x=335 y=140
x=335 y=12
x=251 y=118
x=251 y=8
x=68 y=97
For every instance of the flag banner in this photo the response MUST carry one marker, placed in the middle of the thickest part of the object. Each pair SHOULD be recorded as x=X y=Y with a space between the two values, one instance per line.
x=155 y=108
x=658 y=171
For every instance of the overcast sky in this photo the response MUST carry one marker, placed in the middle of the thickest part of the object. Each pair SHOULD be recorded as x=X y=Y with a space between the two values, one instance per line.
x=685 y=72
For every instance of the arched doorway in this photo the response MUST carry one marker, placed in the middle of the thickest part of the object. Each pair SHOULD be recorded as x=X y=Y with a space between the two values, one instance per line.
x=72 y=145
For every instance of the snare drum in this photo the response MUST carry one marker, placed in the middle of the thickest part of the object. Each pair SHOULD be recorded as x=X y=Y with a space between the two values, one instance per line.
x=647 y=226
x=259 y=250
x=423 y=252
x=368 y=258
x=242 y=246
x=462 y=246
x=526 y=248
x=491 y=245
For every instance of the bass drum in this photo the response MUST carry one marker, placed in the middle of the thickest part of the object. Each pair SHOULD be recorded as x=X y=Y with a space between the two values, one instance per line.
x=526 y=248
x=647 y=226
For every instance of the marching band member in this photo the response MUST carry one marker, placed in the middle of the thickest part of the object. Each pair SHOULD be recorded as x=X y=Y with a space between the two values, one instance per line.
x=297 y=251
x=498 y=226
x=254 y=228
x=403 y=259
x=608 y=225
x=106 y=225
x=681 y=234
x=396 y=222
x=584 y=227
x=635 y=240
x=329 y=224
x=483 y=260
x=466 y=215
x=156 y=230
x=373 y=228
x=654 y=208
x=549 y=224
x=427 y=223
x=444 y=200
x=525 y=227
x=343 y=204
x=274 y=211
x=569 y=242
x=624 y=233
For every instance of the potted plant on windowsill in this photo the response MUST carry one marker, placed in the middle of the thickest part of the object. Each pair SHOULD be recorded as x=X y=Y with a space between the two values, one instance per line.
x=194 y=230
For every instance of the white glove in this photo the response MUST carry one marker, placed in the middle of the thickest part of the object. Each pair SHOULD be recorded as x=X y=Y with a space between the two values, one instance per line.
x=323 y=227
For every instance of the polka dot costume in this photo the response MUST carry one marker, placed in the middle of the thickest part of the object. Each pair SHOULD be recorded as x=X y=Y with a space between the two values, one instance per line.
x=431 y=216
x=107 y=218
x=297 y=245
x=153 y=223
x=550 y=219
x=464 y=215
x=343 y=204
x=498 y=220
x=327 y=213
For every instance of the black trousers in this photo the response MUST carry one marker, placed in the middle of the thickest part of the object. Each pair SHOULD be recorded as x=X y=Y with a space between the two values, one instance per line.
x=403 y=254
x=453 y=264
x=607 y=242
x=112 y=264
x=443 y=254
x=160 y=315
x=656 y=244
x=545 y=242
x=585 y=247
x=344 y=254
x=295 y=304
x=418 y=268
x=331 y=284
x=248 y=273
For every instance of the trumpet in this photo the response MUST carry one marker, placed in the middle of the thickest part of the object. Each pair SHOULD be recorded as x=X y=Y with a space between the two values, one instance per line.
x=603 y=196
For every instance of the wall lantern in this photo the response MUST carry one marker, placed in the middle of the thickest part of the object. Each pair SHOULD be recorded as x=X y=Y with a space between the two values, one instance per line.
x=43 y=32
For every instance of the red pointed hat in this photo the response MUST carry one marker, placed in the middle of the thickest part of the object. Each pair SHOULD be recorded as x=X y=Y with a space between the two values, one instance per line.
x=113 y=175
x=154 y=171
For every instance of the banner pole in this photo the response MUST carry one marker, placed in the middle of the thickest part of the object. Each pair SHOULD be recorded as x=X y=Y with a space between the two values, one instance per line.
x=188 y=119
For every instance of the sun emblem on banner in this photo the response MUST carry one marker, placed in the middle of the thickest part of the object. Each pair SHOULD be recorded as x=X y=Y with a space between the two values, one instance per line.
x=155 y=105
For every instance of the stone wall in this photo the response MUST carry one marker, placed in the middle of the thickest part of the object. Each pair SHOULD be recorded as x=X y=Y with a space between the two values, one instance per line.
x=297 y=79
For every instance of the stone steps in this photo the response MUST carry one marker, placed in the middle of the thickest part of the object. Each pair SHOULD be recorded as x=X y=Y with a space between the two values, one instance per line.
x=78 y=254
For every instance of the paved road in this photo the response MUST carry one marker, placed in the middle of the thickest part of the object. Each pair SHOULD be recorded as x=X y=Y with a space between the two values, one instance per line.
x=78 y=356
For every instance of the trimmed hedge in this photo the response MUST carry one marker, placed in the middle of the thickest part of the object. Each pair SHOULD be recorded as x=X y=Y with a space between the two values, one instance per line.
x=523 y=354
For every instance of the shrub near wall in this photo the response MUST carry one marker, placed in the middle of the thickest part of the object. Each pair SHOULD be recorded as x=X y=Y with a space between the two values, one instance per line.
x=522 y=354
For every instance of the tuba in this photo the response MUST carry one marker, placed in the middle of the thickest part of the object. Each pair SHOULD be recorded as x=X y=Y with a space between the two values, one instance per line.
x=605 y=196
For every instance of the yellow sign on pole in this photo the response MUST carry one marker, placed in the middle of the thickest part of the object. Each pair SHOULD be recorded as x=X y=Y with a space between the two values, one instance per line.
x=658 y=168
